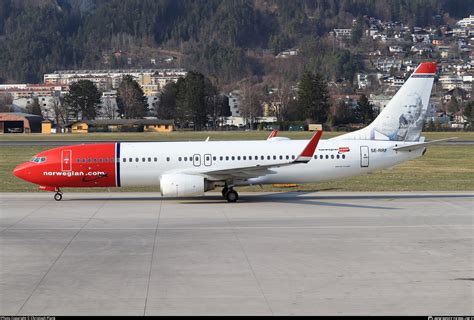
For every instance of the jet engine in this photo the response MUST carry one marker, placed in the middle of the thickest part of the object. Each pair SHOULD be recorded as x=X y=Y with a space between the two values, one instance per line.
x=183 y=185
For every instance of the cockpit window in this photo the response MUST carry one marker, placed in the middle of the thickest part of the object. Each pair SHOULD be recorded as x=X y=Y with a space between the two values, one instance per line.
x=38 y=159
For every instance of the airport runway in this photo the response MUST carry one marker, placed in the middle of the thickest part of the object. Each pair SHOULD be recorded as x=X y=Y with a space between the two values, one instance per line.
x=273 y=253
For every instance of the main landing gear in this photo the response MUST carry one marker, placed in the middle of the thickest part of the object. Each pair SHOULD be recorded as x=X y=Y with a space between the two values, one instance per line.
x=230 y=194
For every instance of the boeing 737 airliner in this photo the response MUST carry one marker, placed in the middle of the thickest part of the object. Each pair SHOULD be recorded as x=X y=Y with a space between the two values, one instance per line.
x=184 y=169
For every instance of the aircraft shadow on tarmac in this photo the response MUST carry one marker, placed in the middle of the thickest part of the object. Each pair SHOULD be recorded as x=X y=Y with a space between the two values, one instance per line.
x=299 y=198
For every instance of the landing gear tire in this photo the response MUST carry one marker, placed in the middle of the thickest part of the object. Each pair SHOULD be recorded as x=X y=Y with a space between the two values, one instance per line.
x=224 y=192
x=232 y=196
x=58 y=196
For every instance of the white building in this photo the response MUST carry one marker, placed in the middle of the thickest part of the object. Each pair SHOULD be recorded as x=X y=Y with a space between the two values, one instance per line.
x=466 y=22
x=380 y=101
x=150 y=80
x=234 y=103
x=343 y=33
x=449 y=82
x=395 y=49
x=362 y=81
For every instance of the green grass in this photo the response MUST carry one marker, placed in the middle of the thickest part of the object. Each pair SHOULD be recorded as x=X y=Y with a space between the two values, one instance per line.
x=443 y=168
x=201 y=135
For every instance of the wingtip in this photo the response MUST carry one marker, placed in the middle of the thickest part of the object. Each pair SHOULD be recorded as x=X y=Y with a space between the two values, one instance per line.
x=310 y=148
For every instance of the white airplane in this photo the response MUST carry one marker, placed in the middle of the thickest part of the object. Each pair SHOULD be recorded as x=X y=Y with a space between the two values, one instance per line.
x=183 y=169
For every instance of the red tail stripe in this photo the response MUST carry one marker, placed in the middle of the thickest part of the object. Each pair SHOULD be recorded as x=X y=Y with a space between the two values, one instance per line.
x=426 y=67
x=313 y=143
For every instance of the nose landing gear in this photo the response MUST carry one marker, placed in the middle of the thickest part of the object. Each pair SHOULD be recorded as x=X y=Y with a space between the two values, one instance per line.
x=58 y=195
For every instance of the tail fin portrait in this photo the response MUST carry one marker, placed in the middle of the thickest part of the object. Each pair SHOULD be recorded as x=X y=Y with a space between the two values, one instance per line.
x=403 y=117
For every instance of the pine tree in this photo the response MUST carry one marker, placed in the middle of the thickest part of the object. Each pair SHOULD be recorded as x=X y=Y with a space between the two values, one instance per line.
x=83 y=100
x=35 y=107
x=167 y=102
x=313 y=98
x=364 y=110
x=191 y=100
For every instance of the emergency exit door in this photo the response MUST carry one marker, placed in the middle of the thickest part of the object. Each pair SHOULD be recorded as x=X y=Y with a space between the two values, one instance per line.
x=66 y=160
x=364 y=156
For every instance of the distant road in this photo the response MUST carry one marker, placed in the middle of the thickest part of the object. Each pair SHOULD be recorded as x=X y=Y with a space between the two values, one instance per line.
x=55 y=143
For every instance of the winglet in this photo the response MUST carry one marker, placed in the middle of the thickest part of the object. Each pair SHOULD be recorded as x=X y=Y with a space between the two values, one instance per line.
x=308 y=151
x=273 y=134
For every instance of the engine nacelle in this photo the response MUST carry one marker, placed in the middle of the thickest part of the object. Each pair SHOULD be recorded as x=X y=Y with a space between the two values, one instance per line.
x=183 y=185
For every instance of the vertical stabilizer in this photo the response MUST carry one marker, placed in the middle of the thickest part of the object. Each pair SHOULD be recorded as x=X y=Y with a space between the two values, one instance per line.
x=403 y=117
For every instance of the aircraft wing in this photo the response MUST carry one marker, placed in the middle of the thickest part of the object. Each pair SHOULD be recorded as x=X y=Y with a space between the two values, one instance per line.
x=260 y=170
x=415 y=146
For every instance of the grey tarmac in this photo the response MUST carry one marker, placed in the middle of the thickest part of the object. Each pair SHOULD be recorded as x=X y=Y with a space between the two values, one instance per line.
x=320 y=253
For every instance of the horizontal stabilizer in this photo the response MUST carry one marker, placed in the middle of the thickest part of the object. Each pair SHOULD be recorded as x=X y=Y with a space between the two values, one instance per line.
x=416 y=146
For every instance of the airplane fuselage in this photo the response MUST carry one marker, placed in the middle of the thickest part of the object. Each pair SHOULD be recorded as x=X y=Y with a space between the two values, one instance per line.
x=143 y=163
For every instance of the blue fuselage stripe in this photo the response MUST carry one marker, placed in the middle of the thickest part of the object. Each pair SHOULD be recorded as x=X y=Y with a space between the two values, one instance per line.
x=118 y=164
x=422 y=75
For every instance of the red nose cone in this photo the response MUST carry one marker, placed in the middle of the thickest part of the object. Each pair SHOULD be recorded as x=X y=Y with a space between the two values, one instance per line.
x=22 y=171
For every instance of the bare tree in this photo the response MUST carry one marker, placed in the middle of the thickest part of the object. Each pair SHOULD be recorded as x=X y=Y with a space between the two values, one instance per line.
x=251 y=101
x=6 y=101
x=110 y=109
x=60 y=111
x=282 y=98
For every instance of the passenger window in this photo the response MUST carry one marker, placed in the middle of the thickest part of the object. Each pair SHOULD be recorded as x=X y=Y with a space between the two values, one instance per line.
x=327 y=157
x=168 y=159
x=227 y=158
x=320 y=156
x=233 y=158
x=274 y=157
x=268 y=157
x=332 y=156
x=238 y=157
x=83 y=160
x=287 y=157
x=106 y=159
x=95 y=160
x=214 y=158
x=185 y=158
x=281 y=157
x=343 y=156
x=89 y=160
x=101 y=160
x=130 y=159
x=315 y=157
x=337 y=156
x=293 y=157
x=179 y=158
x=143 y=159
x=244 y=158
x=250 y=157
x=155 y=159
x=221 y=158
x=137 y=159
x=78 y=160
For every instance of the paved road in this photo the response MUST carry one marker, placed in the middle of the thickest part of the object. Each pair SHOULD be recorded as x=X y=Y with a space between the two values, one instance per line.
x=275 y=253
